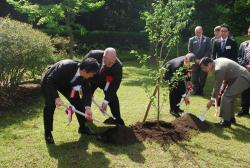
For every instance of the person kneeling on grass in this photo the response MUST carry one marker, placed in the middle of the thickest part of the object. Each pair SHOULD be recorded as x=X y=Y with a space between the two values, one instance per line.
x=65 y=76
x=178 y=75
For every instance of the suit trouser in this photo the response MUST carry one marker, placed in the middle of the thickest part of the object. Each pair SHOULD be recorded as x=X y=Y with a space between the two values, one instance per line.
x=245 y=100
x=198 y=79
x=175 y=95
x=227 y=99
x=48 y=112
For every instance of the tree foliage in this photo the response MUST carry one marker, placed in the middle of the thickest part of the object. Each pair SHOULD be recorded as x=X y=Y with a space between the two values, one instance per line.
x=58 y=16
x=164 y=25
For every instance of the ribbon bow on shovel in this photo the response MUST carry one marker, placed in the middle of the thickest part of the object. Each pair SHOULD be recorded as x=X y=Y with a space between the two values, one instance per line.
x=70 y=109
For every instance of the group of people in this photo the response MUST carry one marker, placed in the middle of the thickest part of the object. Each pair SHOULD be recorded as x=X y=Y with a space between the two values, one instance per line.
x=220 y=57
x=77 y=81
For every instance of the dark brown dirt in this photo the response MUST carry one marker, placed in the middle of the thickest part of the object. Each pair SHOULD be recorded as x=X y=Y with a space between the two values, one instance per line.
x=164 y=133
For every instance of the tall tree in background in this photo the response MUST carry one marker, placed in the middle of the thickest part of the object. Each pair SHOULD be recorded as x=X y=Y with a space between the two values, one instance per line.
x=164 y=24
x=58 y=16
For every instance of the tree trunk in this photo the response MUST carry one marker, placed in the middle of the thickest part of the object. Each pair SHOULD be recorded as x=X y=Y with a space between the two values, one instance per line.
x=150 y=103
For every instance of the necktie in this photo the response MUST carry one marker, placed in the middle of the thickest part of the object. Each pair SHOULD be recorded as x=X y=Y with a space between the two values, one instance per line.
x=223 y=45
x=199 y=42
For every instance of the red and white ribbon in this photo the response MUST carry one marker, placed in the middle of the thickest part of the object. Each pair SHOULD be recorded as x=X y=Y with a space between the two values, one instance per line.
x=108 y=80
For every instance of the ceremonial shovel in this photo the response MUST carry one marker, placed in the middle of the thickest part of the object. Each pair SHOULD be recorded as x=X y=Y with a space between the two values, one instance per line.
x=203 y=113
x=99 y=107
x=78 y=112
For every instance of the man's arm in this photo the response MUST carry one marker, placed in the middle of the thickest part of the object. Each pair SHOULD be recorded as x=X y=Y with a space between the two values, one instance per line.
x=219 y=77
x=190 y=45
x=208 y=47
x=214 y=50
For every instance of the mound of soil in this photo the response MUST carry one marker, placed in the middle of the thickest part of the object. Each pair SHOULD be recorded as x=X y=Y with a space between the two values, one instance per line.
x=119 y=135
x=162 y=133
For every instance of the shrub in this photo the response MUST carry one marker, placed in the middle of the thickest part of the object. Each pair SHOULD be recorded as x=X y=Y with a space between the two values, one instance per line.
x=24 y=52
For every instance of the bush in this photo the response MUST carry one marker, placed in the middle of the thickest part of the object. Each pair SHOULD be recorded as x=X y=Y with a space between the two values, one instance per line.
x=24 y=52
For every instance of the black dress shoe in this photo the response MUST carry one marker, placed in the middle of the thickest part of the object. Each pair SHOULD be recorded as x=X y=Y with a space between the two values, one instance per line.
x=85 y=130
x=110 y=120
x=49 y=138
x=224 y=124
x=179 y=110
x=174 y=113
x=233 y=120
x=119 y=121
x=242 y=113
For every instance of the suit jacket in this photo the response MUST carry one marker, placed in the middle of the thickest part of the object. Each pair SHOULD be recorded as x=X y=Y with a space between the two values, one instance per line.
x=244 y=53
x=228 y=70
x=229 y=52
x=60 y=77
x=100 y=79
x=173 y=65
x=204 y=50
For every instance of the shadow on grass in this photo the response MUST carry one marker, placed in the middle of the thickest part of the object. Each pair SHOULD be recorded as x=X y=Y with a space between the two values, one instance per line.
x=28 y=109
x=75 y=154
x=191 y=155
x=133 y=151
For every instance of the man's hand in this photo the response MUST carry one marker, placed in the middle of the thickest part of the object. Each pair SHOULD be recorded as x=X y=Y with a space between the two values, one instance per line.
x=248 y=68
x=104 y=106
x=58 y=101
x=186 y=100
x=210 y=103
x=88 y=112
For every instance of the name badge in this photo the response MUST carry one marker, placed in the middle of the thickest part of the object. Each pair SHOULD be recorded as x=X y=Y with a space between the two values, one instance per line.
x=228 y=47
x=195 y=42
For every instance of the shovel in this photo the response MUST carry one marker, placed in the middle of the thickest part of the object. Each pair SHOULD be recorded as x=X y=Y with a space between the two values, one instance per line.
x=99 y=107
x=81 y=113
x=203 y=113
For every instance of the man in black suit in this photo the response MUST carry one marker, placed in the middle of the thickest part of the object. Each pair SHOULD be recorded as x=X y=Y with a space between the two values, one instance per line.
x=225 y=46
x=178 y=85
x=108 y=79
x=244 y=60
x=65 y=76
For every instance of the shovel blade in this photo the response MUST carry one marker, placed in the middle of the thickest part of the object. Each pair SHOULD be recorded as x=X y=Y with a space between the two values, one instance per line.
x=201 y=117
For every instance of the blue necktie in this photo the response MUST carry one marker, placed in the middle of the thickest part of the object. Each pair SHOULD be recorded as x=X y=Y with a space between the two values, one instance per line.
x=223 y=45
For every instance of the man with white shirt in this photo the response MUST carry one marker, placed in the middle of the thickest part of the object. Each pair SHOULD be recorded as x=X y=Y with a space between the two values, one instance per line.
x=108 y=79
x=225 y=46
x=68 y=77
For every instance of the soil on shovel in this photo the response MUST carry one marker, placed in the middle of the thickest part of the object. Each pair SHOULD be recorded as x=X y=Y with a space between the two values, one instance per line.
x=164 y=133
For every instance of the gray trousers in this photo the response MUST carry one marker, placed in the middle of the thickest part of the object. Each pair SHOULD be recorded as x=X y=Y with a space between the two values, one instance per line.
x=231 y=92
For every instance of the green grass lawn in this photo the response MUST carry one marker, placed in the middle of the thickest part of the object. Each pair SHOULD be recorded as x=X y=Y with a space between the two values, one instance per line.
x=22 y=141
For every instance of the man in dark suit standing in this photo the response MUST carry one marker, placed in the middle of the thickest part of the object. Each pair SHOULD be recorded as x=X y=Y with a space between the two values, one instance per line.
x=200 y=45
x=178 y=84
x=108 y=79
x=244 y=60
x=65 y=76
x=225 y=46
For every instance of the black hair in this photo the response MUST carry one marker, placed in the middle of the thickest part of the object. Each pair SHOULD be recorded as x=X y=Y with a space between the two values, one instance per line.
x=89 y=65
x=205 y=61
x=226 y=26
